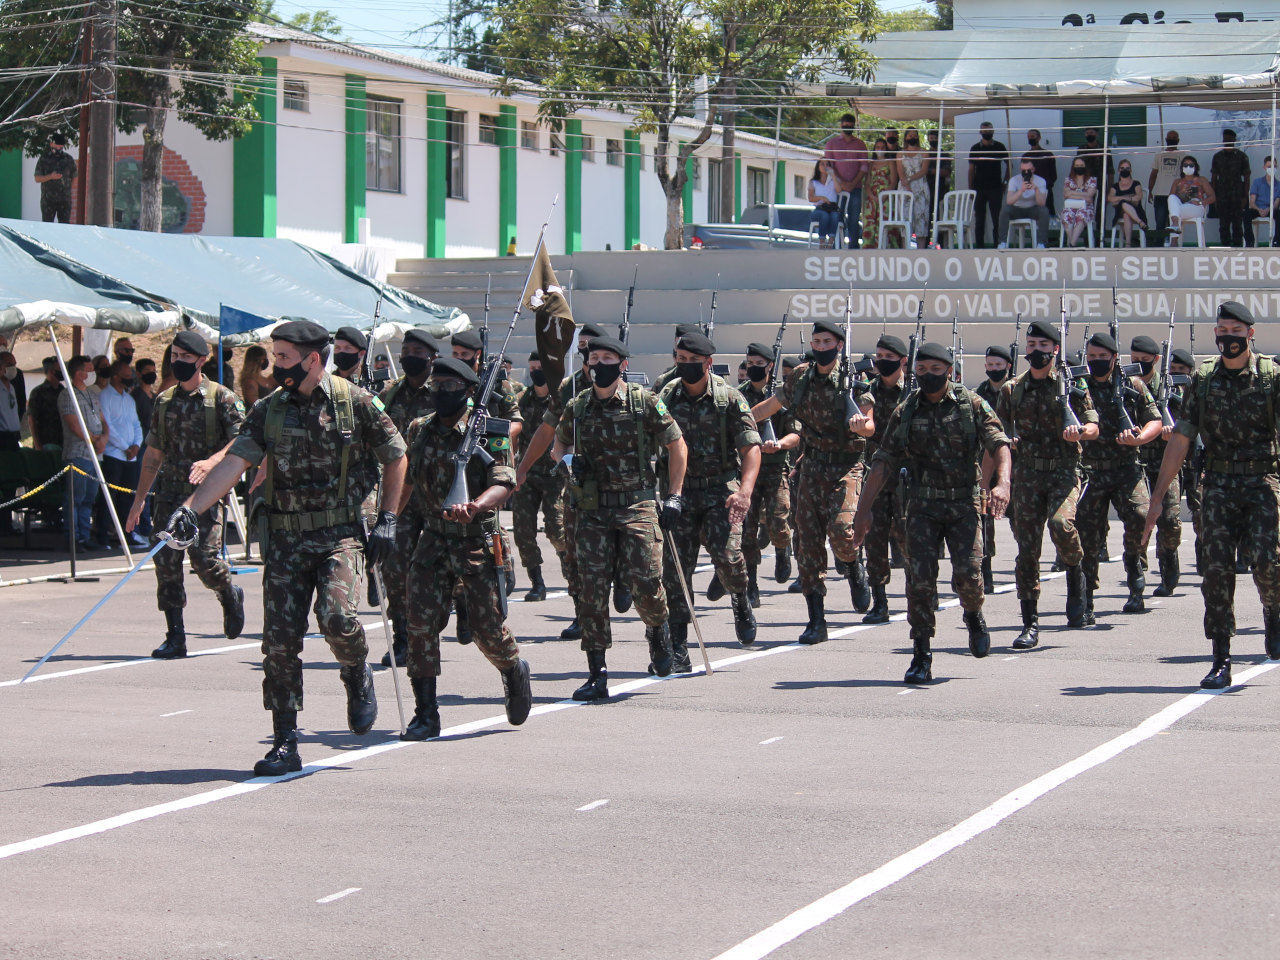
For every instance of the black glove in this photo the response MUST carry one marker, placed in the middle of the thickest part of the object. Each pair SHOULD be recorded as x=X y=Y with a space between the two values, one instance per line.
x=672 y=509
x=183 y=526
x=382 y=538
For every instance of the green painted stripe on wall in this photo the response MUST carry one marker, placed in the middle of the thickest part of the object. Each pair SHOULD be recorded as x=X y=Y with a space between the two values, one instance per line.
x=506 y=176
x=687 y=198
x=11 y=184
x=737 y=188
x=356 y=140
x=572 y=186
x=253 y=164
x=437 y=157
x=631 y=191
x=780 y=182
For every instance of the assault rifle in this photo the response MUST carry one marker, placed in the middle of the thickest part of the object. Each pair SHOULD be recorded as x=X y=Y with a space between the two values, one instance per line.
x=767 y=433
x=850 y=369
x=1121 y=389
x=1169 y=379
x=624 y=332
x=1013 y=347
x=368 y=374
x=1067 y=375
x=957 y=348
x=709 y=330
x=913 y=345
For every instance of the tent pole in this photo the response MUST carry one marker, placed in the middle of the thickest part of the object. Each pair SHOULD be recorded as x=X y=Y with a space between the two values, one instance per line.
x=1104 y=188
x=937 y=173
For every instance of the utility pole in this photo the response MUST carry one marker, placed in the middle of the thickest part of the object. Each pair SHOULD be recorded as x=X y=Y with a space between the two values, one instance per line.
x=82 y=165
x=728 y=124
x=102 y=116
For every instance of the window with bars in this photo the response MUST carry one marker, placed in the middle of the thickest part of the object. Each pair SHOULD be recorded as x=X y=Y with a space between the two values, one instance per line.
x=382 y=145
x=488 y=128
x=455 y=135
x=295 y=96
x=529 y=135
x=613 y=153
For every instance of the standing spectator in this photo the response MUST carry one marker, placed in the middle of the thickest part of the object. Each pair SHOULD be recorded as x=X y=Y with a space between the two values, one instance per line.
x=1046 y=166
x=79 y=450
x=167 y=379
x=1163 y=172
x=122 y=349
x=46 y=422
x=144 y=398
x=1229 y=174
x=938 y=159
x=882 y=176
x=1125 y=197
x=988 y=170
x=10 y=422
x=824 y=197
x=1079 y=197
x=55 y=171
x=1092 y=153
x=1264 y=199
x=1025 y=199
x=1189 y=199
x=848 y=154
x=254 y=381
x=913 y=167
x=19 y=382
x=891 y=138
x=101 y=375
x=120 y=464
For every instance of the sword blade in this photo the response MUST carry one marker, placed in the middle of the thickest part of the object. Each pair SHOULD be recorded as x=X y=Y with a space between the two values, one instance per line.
x=693 y=614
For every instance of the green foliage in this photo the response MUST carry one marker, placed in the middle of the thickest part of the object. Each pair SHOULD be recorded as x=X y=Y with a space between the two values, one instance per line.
x=321 y=22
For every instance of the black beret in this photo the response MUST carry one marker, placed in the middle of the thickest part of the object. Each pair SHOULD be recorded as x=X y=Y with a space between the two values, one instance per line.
x=507 y=359
x=467 y=340
x=535 y=356
x=353 y=337
x=1234 y=310
x=609 y=343
x=935 y=351
x=1144 y=345
x=423 y=338
x=696 y=343
x=59 y=138
x=1045 y=329
x=790 y=363
x=191 y=342
x=760 y=350
x=828 y=326
x=684 y=329
x=449 y=367
x=889 y=342
x=301 y=333
x=1184 y=357
x=1104 y=341
x=1001 y=352
x=590 y=330
x=808 y=356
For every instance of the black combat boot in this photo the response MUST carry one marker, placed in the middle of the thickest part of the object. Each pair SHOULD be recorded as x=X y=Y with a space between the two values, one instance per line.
x=744 y=621
x=815 y=631
x=753 y=586
x=1219 y=675
x=1242 y=563
x=1169 y=574
x=175 y=638
x=621 y=595
x=283 y=756
x=1104 y=553
x=988 y=578
x=597 y=685
x=879 y=612
x=660 y=652
x=537 y=588
x=715 y=589
x=362 y=703
x=782 y=565
x=1271 y=628
x=1075 y=596
x=232 y=612
x=1089 y=619
x=399 y=643
x=1030 y=634
x=679 y=633
x=921 y=669
x=795 y=586
x=462 y=624
x=859 y=586
x=574 y=630
x=517 y=692
x=979 y=636
x=425 y=724
x=1137 y=584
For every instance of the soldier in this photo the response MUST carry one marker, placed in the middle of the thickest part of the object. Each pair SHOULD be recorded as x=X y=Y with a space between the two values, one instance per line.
x=723 y=458
x=1046 y=475
x=771 y=498
x=1115 y=474
x=55 y=172
x=938 y=435
x=830 y=471
x=1192 y=472
x=310 y=437
x=999 y=362
x=541 y=492
x=793 y=476
x=887 y=391
x=455 y=550
x=669 y=374
x=613 y=429
x=1231 y=404
x=405 y=400
x=191 y=425
x=517 y=387
x=349 y=347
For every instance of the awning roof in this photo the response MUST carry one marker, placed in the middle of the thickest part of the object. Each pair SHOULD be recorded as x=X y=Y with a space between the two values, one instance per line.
x=1227 y=66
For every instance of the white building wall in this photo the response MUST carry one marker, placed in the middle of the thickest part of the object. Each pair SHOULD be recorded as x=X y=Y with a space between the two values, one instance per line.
x=311 y=162
x=398 y=221
x=471 y=224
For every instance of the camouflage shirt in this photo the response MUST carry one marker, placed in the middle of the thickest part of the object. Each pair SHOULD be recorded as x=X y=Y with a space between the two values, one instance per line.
x=1233 y=412
x=432 y=445
x=570 y=387
x=1152 y=453
x=714 y=440
x=820 y=412
x=783 y=424
x=405 y=403
x=534 y=409
x=990 y=392
x=60 y=162
x=1105 y=453
x=936 y=446
x=608 y=435
x=184 y=432
x=1038 y=418
x=887 y=399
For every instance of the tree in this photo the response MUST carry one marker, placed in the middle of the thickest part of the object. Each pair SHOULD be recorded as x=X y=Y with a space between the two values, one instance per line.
x=659 y=58
x=321 y=22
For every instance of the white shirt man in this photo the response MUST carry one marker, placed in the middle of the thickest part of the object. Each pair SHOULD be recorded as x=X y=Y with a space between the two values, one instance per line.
x=1025 y=198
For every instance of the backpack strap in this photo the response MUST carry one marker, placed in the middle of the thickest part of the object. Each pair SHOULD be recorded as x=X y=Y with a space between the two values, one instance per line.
x=344 y=416
x=272 y=432
x=389 y=394
x=210 y=390
x=162 y=403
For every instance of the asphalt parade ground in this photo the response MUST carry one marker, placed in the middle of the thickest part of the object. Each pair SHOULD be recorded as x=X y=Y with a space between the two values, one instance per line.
x=1083 y=799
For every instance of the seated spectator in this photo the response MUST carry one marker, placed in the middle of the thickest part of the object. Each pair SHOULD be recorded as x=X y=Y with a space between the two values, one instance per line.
x=826 y=202
x=1026 y=198
x=46 y=423
x=123 y=349
x=1079 y=196
x=1125 y=197
x=120 y=464
x=255 y=382
x=1264 y=198
x=1189 y=198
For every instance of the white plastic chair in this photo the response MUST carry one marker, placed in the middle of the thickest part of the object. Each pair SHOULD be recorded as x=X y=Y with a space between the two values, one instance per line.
x=1063 y=231
x=1182 y=237
x=1023 y=228
x=1258 y=224
x=956 y=216
x=895 y=211
x=1115 y=236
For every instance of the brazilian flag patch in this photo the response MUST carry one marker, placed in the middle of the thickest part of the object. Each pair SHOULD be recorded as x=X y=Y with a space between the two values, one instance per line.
x=240 y=406
x=660 y=407
x=377 y=405
x=496 y=444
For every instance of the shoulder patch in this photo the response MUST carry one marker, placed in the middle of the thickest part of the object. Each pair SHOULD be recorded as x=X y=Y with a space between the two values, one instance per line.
x=378 y=405
x=742 y=406
x=660 y=407
x=240 y=406
x=498 y=443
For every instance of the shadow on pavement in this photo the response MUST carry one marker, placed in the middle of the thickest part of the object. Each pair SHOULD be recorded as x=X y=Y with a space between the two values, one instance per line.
x=820 y=684
x=147 y=777
x=1138 y=688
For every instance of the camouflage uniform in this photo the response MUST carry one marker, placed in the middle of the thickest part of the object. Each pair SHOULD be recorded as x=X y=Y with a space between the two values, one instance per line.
x=714 y=439
x=624 y=522
x=55 y=195
x=944 y=494
x=543 y=491
x=1169 y=527
x=1235 y=415
x=570 y=387
x=403 y=403
x=884 y=519
x=771 y=498
x=178 y=430
x=989 y=392
x=451 y=554
x=314 y=544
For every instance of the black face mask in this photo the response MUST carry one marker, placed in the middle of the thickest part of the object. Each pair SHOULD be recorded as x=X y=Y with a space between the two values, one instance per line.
x=149 y=378
x=1090 y=138
x=1039 y=359
x=288 y=378
x=1231 y=347
x=414 y=366
x=184 y=370
x=1125 y=171
x=128 y=383
x=913 y=141
x=450 y=402
x=1171 y=143
x=887 y=366
x=1147 y=366
x=931 y=382
x=345 y=361
x=757 y=374
x=824 y=357
x=995 y=376
x=537 y=378
x=1078 y=171
x=127 y=356
x=988 y=134
x=691 y=371
x=603 y=375
x=1099 y=369
x=584 y=353
x=1034 y=141
x=58 y=373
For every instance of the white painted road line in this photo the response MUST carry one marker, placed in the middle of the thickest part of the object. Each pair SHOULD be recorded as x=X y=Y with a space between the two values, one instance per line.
x=765 y=743
x=593 y=805
x=833 y=904
x=174 y=714
x=339 y=895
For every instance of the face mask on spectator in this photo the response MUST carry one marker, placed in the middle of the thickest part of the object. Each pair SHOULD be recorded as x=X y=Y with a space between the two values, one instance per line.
x=1270 y=173
x=1125 y=171
x=1188 y=171
x=1171 y=142
x=10 y=373
x=149 y=377
x=1078 y=171
x=1090 y=138
x=1034 y=141
x=988 y=134
x=913 y=141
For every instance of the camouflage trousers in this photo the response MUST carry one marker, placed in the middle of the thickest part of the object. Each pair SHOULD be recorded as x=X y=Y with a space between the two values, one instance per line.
x=569 y=559
x=205 y=554
x=628 y=538
x=540 y=493
x=1124 y=488
x=704 y=522
x=440 y=566
x=885 y=524
x=826 y=500
x=1241 y=513
x=1169 y=526
x=1040 y=497
x=395 y=569
x=1191 y=485
x=297 y=568
x=930 y=524
x=770 y=509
